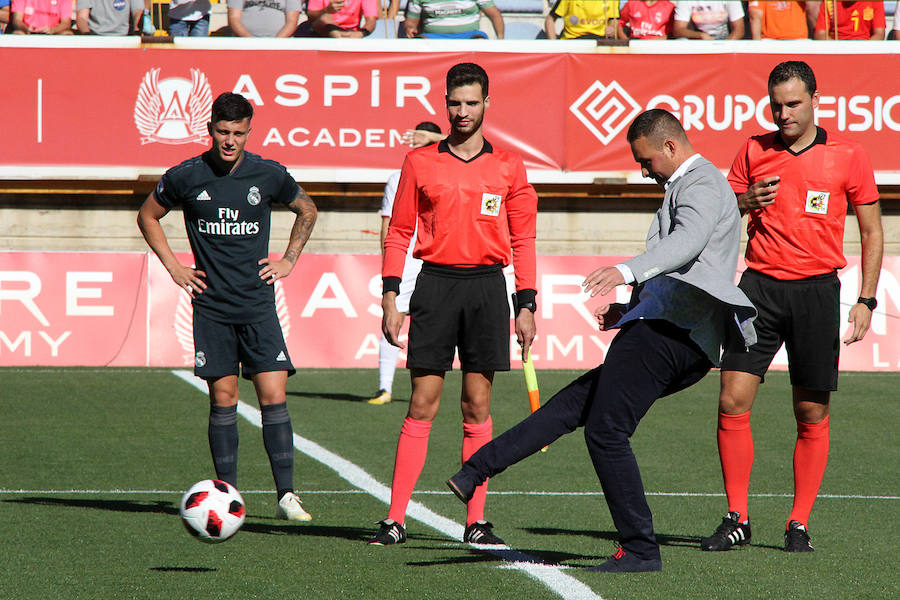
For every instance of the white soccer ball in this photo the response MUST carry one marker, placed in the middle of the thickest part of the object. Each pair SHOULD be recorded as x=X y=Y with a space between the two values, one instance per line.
x=212 y=511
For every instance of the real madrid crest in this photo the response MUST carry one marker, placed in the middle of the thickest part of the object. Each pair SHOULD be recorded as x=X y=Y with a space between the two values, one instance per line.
x=253 y=196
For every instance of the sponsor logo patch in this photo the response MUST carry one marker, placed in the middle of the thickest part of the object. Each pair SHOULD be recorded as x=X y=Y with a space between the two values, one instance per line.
x=490 y=204
x=817 y=202
x=204 y=195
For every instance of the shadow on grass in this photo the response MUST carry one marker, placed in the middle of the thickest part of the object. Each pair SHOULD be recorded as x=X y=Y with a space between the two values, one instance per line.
x=353 y=534
x=330 y=396
x=664 y=539
x=341 y=396
x=170 y=508
x=183 y=569
x=484 y=554
x=129 y=506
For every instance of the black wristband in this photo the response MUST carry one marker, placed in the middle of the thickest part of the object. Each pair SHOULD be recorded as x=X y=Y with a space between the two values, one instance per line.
x=525 y=299
x=390 y=284
x=871 y=303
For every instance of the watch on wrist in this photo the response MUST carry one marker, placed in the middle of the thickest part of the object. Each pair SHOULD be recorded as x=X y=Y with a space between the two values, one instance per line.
x=871 y=303
x=532 y=306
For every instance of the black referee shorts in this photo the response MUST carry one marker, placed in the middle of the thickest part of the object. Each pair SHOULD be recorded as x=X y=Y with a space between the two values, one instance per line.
x=222 y=349
x=804 y=314
x=464 y=308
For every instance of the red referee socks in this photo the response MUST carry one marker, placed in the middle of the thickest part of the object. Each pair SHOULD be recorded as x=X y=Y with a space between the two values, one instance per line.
x=412 y=447
x=810 y=458
x=736 y=455
x=474 y=437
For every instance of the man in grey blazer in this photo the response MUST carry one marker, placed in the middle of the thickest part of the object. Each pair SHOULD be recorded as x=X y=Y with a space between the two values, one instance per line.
x=670 y=335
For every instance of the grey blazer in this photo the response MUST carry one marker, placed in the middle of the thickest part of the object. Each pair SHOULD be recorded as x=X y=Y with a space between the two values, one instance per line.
x=695 y=238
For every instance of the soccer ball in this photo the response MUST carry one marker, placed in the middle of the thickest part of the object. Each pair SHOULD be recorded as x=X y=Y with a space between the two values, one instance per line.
x=212 y=511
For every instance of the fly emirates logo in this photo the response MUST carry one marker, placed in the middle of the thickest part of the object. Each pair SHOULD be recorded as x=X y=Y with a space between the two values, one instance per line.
x=228 y=224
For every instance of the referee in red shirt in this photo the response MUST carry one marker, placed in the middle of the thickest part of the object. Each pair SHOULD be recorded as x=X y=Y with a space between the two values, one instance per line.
x=475 y=210
x=795 y=183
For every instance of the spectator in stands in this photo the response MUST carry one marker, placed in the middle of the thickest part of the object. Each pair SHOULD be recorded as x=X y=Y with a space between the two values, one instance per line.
x=451 y=18
x=263 y=18
x=646 y=20
x=583 y=20
x=342 y=18
x=852 y=21
x=4 y=15
x=146 y=23
x=777 y=20
x=40 y=16
x=709 y=20
x=105 y=17
x=189 y=18
x=812 y=15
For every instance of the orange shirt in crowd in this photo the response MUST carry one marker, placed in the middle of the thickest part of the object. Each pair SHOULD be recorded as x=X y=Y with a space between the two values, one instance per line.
x=781 y=20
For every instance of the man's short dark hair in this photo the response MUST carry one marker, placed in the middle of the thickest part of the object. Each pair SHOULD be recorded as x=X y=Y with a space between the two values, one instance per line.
x=231 y=107
x=467 y=74
x=790 y=69
x=656 y=125
x=428 y=126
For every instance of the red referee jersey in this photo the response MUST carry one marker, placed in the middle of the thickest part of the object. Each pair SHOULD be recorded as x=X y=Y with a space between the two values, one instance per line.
x=469 y=213
x=801 y=234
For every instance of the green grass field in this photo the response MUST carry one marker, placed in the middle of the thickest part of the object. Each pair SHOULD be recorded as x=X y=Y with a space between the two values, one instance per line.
x=94 y=463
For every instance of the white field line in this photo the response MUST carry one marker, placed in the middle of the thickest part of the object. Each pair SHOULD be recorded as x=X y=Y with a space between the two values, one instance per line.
x=443 y=493
x=552 y=576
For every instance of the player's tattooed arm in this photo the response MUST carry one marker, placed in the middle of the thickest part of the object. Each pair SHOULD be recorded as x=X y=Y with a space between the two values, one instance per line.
x=306 y=212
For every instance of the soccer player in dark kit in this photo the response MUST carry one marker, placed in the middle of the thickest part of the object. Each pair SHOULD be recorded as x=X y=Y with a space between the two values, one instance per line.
x=226 y=195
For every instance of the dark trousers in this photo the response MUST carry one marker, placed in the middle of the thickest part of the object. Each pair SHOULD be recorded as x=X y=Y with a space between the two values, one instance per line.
x=646 y=360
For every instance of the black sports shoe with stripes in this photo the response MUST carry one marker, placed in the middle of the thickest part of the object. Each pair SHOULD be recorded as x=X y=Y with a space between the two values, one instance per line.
x=481 y=532
x=796 y=538
x=391 y=532
x=727 y=535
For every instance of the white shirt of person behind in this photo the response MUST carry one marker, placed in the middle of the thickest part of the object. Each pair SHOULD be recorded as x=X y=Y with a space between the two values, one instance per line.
x=709 y=17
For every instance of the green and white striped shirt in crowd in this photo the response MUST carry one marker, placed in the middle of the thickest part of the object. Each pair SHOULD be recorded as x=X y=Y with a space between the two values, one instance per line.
x=447 y=16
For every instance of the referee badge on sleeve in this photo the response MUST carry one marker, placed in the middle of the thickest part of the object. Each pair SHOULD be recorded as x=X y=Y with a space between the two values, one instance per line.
x=490 y=204
x=817 y=202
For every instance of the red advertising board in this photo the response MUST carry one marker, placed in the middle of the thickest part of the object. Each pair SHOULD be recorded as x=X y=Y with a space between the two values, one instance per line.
x=122 y=309
x=328 y=112
x=73 y=309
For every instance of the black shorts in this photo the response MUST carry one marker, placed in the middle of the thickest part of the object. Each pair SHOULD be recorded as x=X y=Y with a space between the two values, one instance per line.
x=221 y=348
x=803 y=314
x=464 y=308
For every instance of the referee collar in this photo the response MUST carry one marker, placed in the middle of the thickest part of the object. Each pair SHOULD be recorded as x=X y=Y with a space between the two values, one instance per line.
x=821 y=138
x=443 y=146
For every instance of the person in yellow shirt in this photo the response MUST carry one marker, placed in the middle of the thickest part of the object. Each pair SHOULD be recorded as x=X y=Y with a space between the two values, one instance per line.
x=592 y=19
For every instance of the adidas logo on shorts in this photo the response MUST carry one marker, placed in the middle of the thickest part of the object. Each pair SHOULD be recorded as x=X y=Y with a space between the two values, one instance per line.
x=281 y=356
